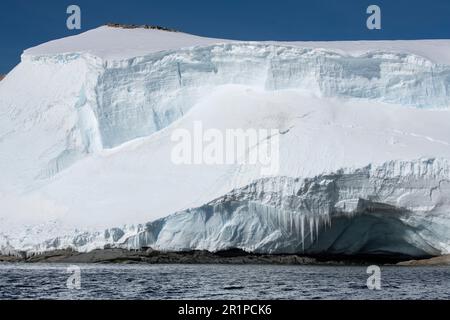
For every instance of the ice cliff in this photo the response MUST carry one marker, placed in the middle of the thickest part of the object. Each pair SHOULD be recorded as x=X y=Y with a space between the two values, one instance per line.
x=395 y=208
x=85 y=126
x=398 y=208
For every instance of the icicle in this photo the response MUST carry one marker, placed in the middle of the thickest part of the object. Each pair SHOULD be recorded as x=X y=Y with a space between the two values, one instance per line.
x=316 y=222
x=291 y=222
x=302 y=226
x=278 y=219
x=295 y=224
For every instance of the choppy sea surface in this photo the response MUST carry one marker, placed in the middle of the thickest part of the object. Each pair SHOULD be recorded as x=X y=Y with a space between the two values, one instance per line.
x=165 y=281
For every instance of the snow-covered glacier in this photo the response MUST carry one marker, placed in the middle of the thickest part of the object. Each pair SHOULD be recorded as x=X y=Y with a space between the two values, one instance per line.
x=364 y=136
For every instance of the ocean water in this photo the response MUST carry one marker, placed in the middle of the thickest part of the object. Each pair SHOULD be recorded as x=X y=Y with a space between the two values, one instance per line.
x=165 y=281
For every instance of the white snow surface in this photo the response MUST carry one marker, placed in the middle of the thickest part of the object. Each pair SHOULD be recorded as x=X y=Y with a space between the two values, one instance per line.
x=85 y=143
x=118 y=43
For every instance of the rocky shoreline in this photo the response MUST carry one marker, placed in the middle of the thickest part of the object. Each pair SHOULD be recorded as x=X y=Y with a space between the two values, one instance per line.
x=157 y=257
x=435 y=261
x=233 y=256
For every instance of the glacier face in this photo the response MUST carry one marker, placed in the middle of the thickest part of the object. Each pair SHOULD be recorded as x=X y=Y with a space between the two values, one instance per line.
x=140 y=96
x=395 y=208
x=398 y=208
x=85 y=147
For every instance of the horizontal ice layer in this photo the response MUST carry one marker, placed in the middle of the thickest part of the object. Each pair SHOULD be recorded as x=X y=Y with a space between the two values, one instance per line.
x=150 y=93
x=118 y=44
x=139 y=96
x=398 y=208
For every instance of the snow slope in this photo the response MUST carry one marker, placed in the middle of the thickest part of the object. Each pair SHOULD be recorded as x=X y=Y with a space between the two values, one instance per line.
x=85 y=144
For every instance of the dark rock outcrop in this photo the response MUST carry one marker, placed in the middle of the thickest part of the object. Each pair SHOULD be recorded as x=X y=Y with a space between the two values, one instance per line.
x=135 y=26
x=150 y=256
x=435 y=261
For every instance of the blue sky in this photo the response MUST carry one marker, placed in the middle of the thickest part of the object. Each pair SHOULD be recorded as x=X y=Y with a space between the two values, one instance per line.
x=24 y=24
